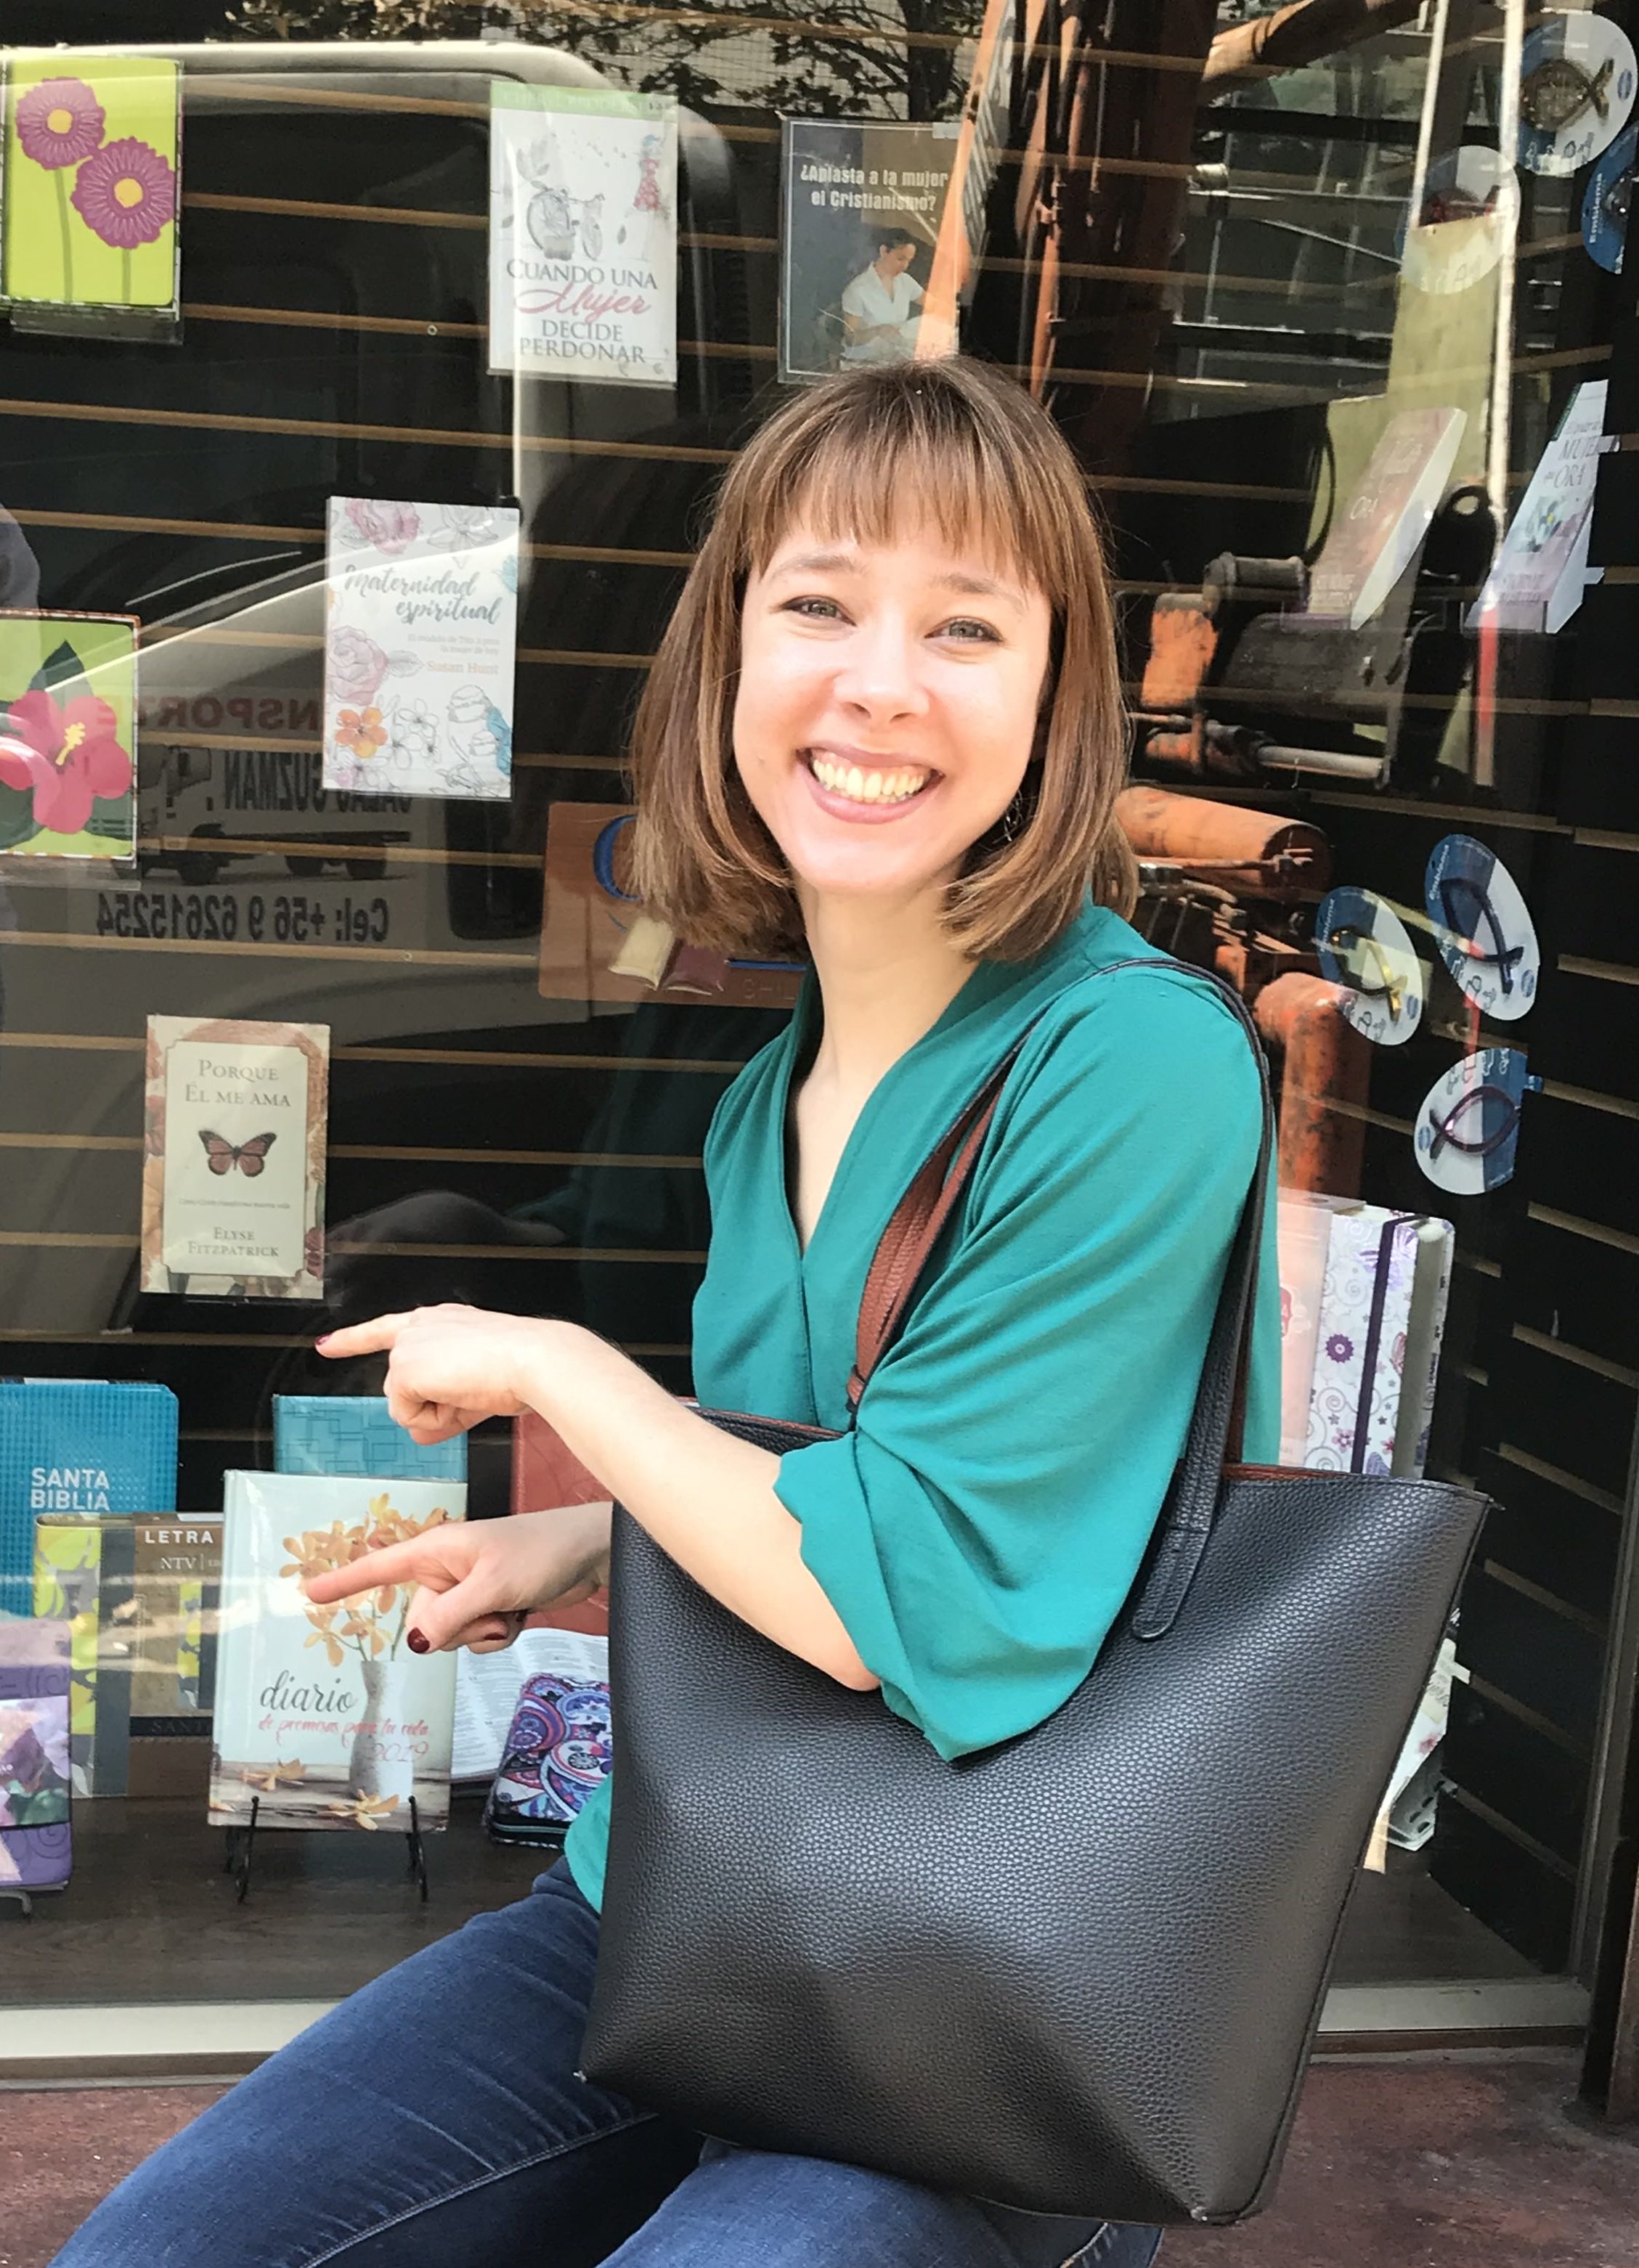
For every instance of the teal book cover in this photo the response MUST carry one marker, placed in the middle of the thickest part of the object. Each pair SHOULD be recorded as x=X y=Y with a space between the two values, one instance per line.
x=77 y=1445
x=352 y=1437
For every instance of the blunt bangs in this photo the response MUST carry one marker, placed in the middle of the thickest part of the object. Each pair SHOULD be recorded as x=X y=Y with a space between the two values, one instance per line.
x=948 y=477
x=946 y=446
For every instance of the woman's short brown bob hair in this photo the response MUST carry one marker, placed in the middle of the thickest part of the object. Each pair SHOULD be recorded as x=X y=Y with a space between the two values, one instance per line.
x=988 y=468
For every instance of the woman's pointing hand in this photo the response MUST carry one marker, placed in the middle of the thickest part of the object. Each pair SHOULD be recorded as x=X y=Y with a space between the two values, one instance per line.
x=449 y=1367
x=476 y=1581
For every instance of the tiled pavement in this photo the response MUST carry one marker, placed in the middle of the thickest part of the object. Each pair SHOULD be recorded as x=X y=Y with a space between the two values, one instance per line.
x=1455 y=2162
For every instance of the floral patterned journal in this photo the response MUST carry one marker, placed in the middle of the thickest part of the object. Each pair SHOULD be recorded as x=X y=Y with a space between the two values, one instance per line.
x=420 y=648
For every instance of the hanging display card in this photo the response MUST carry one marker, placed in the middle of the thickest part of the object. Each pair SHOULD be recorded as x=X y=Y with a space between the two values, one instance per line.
x=583 y=234
x=68 y=736
x=1542 y=570
x=1483 y=927
x=1576 y=84
x=420 y=648
x=1362 y=943
x=861 y=205
x=234 y=1161
x=323 y=1715
x=92 y=148
x=1605 y=201
x=1468 y=1125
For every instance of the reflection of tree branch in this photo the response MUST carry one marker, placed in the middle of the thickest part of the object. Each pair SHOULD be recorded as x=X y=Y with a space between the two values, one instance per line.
x=1302 y=33
x=870 y=72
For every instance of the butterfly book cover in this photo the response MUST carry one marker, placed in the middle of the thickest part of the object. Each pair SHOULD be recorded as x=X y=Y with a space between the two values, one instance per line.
x=324 y=1717
x=233 y=1158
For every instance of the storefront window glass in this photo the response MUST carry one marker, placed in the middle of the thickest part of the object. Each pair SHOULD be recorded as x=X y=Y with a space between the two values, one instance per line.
x=375 y=409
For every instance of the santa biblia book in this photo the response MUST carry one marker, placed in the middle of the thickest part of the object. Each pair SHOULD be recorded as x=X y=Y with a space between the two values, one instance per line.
x=79 y=1444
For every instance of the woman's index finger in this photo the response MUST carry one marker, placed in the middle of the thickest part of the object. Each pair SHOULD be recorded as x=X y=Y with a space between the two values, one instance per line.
x=379 y=1336
x=394 y=1562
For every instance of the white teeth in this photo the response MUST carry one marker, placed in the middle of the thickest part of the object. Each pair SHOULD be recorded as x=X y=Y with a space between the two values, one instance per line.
x=862 y=786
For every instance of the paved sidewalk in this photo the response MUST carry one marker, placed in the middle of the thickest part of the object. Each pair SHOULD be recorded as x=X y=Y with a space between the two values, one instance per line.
x=1455 y=2162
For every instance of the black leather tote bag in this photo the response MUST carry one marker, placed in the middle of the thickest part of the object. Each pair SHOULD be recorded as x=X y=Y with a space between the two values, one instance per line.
x=1079 y=1973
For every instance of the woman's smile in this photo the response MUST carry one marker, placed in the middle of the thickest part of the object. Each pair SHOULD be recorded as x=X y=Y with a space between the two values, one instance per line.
x=855 y=785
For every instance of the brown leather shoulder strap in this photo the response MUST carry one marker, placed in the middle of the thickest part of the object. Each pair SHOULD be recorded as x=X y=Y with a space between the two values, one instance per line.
x=909 y=1239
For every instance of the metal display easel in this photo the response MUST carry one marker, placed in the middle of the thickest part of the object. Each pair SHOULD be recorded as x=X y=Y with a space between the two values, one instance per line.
x=241 y=1851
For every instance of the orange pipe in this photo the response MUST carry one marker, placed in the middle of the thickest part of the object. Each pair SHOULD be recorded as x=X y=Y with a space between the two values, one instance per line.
x=1324 y=1063
x=1221 y=834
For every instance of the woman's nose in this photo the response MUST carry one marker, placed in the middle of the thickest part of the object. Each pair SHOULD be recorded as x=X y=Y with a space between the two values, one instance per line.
x=881 y=674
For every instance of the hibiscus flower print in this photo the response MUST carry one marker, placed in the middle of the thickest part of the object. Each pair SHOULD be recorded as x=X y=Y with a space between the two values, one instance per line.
x=59 y=122
x=126 y=193
x=361 y=732
x=68 y=753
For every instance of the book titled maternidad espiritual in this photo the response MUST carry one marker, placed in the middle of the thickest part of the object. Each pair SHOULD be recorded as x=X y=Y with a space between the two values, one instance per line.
x=324 y=1717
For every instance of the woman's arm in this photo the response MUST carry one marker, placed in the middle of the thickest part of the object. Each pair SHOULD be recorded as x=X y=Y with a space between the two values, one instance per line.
x=706 y=1497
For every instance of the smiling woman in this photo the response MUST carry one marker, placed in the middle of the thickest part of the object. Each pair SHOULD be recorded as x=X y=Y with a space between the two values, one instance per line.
x=883 y=730
x=950 y=618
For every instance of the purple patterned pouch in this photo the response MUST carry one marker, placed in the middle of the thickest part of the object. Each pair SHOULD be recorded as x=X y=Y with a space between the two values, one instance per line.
x=34 y=1829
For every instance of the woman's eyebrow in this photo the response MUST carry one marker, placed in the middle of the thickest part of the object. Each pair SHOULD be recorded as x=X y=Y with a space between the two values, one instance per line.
x=817 y=562
x=980 y=586
x=846 y=562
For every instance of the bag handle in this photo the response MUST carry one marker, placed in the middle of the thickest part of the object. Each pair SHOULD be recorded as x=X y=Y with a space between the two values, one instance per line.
x=917 y=1221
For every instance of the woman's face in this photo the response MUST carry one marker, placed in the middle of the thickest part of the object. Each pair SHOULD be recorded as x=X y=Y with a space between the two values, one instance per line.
x=894 y=259
x=887 y=706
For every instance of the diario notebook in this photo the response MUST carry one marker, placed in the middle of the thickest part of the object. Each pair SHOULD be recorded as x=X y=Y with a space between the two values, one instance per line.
x=353 y=1435
x=325 y=1716
x=78 y=1445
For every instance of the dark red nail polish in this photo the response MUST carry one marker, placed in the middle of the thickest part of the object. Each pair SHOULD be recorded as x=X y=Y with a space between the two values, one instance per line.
x=416 y=1643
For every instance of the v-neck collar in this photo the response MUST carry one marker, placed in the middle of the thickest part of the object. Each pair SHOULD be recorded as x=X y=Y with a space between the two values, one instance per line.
x=807 y=1026
x=986 y=983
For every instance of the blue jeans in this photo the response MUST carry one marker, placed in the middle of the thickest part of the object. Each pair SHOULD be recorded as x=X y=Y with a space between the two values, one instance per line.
x=434 y=2120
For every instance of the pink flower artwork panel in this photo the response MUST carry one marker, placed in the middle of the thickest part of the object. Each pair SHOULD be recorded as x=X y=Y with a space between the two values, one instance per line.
x=67 y=708
x=92 y=165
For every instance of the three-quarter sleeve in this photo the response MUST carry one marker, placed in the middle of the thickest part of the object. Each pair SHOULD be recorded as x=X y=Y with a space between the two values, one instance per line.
x=980 y=1528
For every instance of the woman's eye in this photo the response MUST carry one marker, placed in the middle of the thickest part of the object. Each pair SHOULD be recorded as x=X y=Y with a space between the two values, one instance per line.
x=814 y=610
x=968 y=631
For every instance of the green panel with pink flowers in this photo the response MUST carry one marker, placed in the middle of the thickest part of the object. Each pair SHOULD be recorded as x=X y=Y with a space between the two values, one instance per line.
x=92 y=145
x=67 y=711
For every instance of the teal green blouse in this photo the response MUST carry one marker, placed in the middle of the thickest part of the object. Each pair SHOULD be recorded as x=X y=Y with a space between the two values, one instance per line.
x=979 y=1526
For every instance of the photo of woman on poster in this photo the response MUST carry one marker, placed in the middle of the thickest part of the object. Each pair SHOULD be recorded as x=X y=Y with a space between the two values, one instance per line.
x=861 y=204
x=882 y=307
